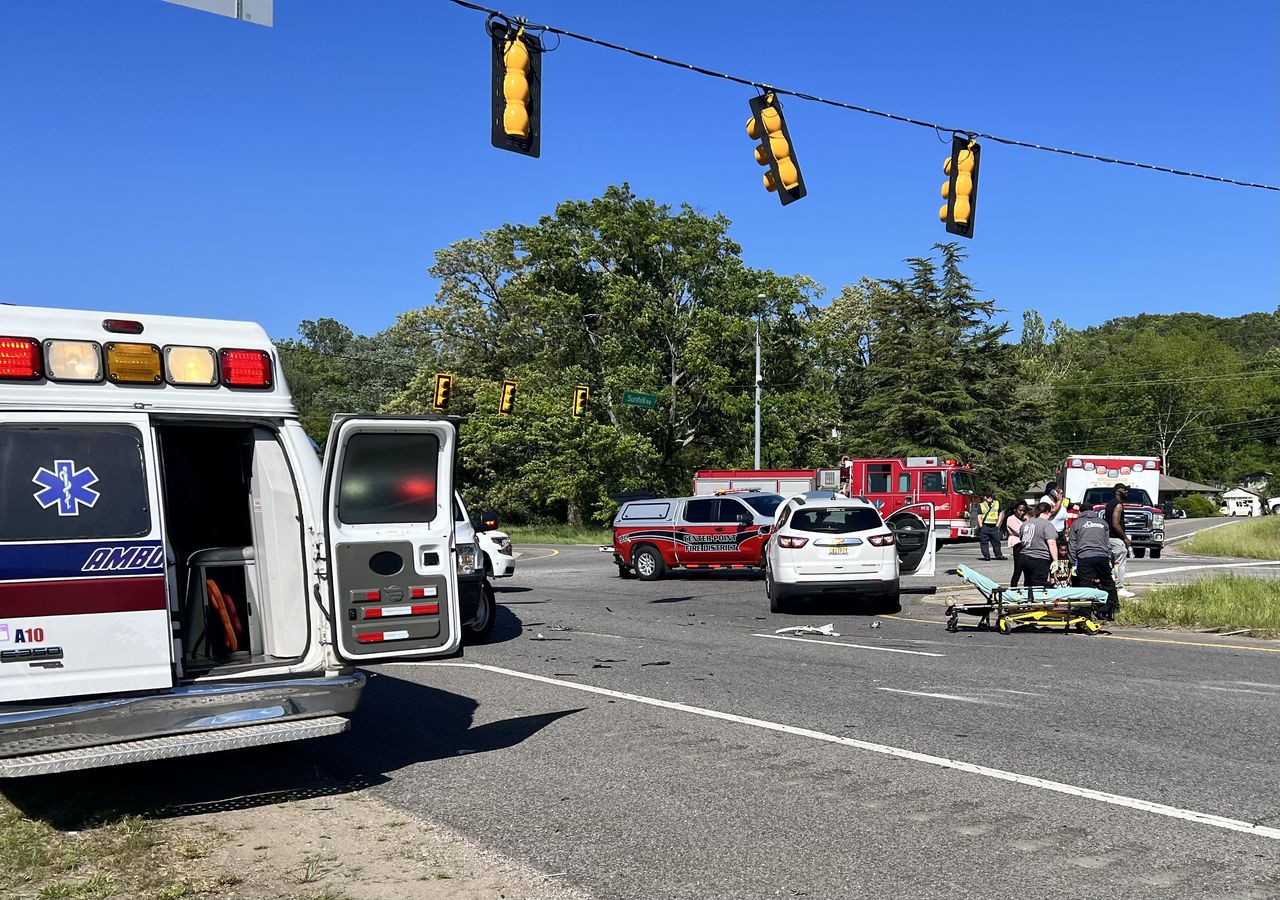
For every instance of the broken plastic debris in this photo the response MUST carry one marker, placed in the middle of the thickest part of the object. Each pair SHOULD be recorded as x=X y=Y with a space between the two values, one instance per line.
x=828 y=630
x=541 y=637
x=661 y=662
x=876 y=624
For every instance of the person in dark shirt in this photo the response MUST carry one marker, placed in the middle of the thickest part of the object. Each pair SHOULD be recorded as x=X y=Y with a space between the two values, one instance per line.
x=1119 y=540
x=1091 y=553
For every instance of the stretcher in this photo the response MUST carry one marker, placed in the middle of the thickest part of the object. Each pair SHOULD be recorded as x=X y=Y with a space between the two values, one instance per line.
x=1057 y=607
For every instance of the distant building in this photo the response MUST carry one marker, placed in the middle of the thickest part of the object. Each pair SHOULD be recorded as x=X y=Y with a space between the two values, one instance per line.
x=1239 y=502
x=1258 y=482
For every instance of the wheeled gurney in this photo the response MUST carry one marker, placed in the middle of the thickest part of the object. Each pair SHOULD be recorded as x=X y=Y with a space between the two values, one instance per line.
x=1065 y=607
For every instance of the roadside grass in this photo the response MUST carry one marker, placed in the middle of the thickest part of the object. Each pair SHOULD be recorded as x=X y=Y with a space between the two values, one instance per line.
x=1255 y=539
x=127 y=857
x=1224 y=602
x=559 y=534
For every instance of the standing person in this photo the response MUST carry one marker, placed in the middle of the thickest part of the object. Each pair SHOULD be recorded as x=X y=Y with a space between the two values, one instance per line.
x=1119 y=539
x=1039 y=547
x=1090 y=545
x=1014 y=519
x=989 y=526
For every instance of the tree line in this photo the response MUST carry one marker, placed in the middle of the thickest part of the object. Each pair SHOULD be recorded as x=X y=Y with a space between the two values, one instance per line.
x=622 y=293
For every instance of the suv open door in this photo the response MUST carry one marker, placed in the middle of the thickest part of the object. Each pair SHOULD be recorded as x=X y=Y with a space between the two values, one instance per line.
x=393 y=589
x=912 y=528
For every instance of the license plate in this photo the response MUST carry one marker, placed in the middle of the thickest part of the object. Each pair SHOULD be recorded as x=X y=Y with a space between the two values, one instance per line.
x=838 y=551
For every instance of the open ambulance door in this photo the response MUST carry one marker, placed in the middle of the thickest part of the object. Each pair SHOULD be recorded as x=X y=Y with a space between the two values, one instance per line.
x=912 y=528
x=393 y=587
x=83 y=597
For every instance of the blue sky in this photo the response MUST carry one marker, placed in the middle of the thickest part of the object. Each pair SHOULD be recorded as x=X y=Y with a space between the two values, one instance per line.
x=159 y=159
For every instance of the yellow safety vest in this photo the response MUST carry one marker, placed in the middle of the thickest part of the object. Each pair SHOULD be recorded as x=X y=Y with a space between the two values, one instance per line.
x=989 y=512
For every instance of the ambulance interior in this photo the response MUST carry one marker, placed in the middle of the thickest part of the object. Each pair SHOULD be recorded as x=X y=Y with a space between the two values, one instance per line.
x=235 y=547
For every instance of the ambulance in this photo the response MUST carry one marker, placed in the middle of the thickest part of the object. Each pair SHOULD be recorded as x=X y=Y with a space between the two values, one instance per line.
x=180 y=572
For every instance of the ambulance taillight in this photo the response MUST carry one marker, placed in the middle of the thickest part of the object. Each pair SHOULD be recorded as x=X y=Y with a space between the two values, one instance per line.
x=73 y=360
x=20 y=359
x=133 y=363
x=245 y=368
x=190 y=366
x=122 y=326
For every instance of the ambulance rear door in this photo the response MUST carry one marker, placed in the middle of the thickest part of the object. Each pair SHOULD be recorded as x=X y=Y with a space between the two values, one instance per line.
x=390 y=541
x=83 y=606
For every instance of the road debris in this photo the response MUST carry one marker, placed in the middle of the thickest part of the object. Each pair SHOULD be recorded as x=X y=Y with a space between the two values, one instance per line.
x=828 y=630
x=877 y=624
x=542 y=637
x=660 y=662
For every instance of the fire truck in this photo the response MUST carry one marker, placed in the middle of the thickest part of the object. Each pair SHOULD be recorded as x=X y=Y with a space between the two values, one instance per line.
x=1089 y=481
x=890 y=483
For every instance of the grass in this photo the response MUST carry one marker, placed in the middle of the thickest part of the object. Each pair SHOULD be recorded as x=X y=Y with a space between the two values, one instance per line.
x=127 y=857
x=559 y=534
x=1253 y=538
x=1224 y=602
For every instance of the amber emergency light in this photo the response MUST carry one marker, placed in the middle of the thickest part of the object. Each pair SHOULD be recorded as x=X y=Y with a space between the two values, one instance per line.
x=19 y=359
x=133 y=363
x=196 y=366
x=245 y=368
x=73 y=360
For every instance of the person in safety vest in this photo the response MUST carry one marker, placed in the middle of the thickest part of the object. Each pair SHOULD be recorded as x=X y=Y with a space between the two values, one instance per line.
x=989 y=526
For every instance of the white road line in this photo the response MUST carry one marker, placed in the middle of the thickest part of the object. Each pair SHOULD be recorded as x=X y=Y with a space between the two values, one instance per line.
x=787 y=637
x=1138 y=576
x=1019 y=693
x=1227 y=690
x=1183 y=537
x=955 y=697
x=1160 y=809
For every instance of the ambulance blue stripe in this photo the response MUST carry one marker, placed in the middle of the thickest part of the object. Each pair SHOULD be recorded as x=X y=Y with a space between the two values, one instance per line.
x=76 y=559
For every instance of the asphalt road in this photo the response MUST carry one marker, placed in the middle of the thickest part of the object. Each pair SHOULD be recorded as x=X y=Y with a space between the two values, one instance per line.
x=654 y=740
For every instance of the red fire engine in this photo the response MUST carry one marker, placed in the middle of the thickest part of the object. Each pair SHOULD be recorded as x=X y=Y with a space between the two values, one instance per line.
x=891 y=484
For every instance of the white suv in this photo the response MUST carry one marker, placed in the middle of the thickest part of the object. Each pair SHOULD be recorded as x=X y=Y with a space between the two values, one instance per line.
x=827 y=544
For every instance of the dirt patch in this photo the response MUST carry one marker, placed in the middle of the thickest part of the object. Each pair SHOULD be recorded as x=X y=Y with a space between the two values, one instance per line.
x=354 y=846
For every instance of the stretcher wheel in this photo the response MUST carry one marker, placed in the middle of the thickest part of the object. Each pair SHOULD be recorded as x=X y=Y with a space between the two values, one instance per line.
x=1002 y=626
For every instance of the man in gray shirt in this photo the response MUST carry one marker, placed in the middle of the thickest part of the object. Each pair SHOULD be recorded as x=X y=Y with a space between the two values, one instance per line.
x=1039 y=546
x=1090 y=551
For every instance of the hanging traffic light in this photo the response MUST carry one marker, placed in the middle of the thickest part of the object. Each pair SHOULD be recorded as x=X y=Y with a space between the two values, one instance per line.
x=581 y=394
x=775 y=149
x=444 y=388
x=960 y=190
x=516 y=95
x=507 y=401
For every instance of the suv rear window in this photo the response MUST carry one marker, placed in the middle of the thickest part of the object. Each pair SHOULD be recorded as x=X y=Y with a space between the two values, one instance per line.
x=840 y=520
x=1102 y=495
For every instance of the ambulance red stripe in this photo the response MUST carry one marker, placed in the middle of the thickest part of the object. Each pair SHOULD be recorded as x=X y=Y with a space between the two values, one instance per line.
x=81 y=596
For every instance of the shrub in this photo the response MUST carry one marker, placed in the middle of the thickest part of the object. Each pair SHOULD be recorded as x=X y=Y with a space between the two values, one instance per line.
x=1196 y=506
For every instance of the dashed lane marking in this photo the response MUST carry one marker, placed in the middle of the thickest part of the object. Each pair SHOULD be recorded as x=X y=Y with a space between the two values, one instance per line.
x=787 y=637
x=1160 y=809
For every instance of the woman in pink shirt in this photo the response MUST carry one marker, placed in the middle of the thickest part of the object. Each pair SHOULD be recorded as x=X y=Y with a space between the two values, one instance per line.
x=1014 y=519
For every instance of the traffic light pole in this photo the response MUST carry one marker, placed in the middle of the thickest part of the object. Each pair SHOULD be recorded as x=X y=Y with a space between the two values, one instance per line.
x=758 y=388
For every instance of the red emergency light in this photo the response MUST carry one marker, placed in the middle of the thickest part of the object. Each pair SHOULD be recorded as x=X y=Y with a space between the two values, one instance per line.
x=245 y=368
x=122 y=326
x=20 y=359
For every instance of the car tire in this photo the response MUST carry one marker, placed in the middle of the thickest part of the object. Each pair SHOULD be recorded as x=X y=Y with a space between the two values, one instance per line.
x=1139 y=552
x=891 y=602
x=776 y=603
x=648 y=564
x=477 y=631
x=1156 y=551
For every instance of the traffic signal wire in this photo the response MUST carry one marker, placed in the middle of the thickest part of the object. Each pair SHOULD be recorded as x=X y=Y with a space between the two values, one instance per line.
x=839 y=104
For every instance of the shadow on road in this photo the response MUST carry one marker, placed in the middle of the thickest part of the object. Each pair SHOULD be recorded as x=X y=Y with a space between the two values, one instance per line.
x=398 y=724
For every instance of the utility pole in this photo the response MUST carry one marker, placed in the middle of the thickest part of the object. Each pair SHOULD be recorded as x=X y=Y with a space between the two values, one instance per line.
x=759 y=313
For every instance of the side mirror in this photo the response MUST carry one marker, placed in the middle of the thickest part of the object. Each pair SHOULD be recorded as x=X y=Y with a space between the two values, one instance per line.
x=487 y=520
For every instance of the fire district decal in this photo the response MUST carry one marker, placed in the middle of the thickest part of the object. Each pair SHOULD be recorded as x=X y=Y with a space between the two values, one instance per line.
x=66 y=486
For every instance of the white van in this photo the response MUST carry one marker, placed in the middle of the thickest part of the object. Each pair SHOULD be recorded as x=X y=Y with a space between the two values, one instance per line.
x=179 y=572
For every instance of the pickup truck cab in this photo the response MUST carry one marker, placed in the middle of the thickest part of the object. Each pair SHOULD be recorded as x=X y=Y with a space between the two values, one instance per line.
x=724 y=531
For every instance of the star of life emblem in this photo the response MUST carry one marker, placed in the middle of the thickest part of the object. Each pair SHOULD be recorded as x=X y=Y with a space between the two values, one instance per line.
x=66 y=487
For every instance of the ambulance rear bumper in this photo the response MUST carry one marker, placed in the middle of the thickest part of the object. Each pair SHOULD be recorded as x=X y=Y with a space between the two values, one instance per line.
x=192 y=711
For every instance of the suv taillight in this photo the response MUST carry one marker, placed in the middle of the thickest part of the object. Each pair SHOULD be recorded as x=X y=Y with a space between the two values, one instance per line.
x=881 y=540
x=792 y=543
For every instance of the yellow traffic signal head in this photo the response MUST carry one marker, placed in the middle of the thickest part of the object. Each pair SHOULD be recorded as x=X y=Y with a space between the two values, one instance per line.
x=507 y=402
x=960 y=190
x=517 y=89
x=581 y=394
x=444 y=388
x=775 y=150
